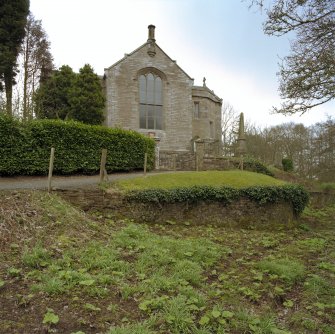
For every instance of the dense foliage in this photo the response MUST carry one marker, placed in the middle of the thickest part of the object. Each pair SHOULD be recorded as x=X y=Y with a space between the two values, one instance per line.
x=267 y=194
x=13 y=14
x=68 y=95
x=52 y=98
x=25 y=147
x=86 y=99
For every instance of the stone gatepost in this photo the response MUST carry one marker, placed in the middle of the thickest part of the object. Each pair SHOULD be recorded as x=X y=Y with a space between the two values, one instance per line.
x=157 y=141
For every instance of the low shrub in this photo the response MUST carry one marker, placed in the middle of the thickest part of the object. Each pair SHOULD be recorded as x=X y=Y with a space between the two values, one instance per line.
x=25 y=147
x=252 y=165
x=287 y=164
x=294 y=194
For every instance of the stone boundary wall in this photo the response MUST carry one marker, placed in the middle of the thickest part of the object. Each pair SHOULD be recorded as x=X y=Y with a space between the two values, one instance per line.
x=242 y=213
x=216 y=163
x=188 y=161
x=177 y=161
x=204 y=156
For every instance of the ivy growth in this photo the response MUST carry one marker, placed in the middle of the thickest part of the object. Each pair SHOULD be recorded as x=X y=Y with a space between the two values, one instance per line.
x=294 y=194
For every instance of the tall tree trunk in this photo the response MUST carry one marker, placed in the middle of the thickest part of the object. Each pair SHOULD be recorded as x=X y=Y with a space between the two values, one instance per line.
x=25 y=95
x=31 y=104
x=25 y=81
x=8 y=78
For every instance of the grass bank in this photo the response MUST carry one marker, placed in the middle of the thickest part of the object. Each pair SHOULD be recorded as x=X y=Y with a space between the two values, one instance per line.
x=211 y=186
x=234 y=178
x=62 y=271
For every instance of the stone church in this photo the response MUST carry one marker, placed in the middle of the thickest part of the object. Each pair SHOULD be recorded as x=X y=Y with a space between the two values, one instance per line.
x=148 y=92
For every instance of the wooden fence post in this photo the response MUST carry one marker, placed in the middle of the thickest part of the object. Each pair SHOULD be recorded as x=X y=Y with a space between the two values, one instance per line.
x=103 y=160
x=51 y=167
x=145 y=163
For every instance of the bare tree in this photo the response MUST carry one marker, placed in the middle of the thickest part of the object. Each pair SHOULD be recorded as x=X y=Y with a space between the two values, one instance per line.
x=323 y=150
x=307 y=75
x=229 y=123
x=36 y=62
x=312 y=149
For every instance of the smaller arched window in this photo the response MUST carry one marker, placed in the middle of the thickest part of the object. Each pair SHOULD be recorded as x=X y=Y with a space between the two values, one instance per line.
x=151 y=102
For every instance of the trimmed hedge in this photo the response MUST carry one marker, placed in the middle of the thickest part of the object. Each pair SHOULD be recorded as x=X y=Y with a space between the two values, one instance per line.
x=25 y=147
x=294 y=194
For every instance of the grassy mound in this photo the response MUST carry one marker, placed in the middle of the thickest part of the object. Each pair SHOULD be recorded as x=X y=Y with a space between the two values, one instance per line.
x=212 y=186
x=233 y=178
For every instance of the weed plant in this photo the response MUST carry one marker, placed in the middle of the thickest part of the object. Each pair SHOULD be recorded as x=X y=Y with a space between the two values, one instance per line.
x=291 y=271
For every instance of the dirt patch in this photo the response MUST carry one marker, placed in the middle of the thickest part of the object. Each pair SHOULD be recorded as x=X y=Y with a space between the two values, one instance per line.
x=19 y=219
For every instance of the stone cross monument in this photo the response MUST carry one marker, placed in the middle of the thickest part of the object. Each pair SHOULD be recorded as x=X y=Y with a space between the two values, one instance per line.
x=241 y=141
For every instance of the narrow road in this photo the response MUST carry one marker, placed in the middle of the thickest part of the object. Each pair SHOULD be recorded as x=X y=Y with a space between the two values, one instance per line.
x=61 y=182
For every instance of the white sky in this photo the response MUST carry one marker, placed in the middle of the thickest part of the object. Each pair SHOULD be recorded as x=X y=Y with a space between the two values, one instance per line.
x=221 y=40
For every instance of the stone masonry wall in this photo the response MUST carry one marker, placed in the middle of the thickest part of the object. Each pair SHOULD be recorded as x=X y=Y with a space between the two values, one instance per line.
x=208 y=123
x=122 y=93
x=242 y=213
x=177 y=161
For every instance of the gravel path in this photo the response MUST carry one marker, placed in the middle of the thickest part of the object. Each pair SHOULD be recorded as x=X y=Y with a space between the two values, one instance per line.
x=60 y=182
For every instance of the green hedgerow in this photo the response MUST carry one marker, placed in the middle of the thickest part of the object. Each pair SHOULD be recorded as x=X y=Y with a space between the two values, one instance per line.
x=25 y=147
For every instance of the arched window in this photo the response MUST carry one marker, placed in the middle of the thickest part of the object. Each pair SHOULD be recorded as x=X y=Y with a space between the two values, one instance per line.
x=151 y=101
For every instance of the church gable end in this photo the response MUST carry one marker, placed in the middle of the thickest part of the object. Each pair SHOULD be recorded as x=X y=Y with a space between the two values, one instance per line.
x=148 y=92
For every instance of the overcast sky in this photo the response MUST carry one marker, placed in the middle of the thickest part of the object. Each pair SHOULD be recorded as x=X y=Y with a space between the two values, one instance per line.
x=221 y=40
